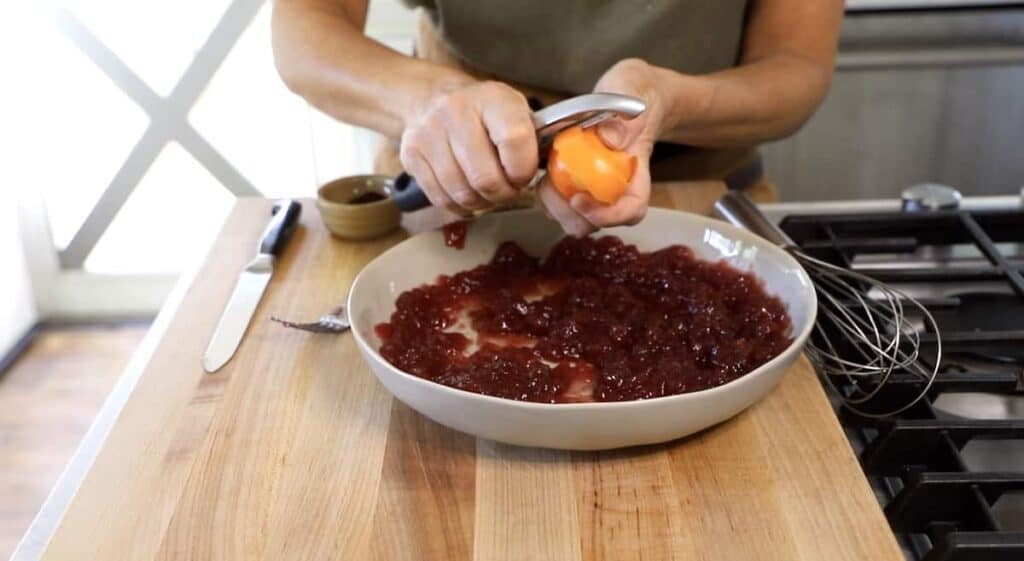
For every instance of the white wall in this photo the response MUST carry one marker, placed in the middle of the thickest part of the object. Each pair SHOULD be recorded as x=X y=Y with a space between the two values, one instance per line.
x=390 y=20
x=16 y=300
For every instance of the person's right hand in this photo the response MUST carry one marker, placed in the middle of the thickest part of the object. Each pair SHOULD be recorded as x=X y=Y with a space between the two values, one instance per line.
x=472 y=147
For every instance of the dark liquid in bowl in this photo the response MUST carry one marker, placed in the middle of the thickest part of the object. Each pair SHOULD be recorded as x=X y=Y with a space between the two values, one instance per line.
x=598 y=320
x=366 y=198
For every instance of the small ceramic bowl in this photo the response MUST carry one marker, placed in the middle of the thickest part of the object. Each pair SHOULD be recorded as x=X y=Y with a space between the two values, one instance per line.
x=358 y=207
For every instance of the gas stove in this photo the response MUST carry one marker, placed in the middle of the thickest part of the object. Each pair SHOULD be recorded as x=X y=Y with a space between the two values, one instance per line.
x=949 y=471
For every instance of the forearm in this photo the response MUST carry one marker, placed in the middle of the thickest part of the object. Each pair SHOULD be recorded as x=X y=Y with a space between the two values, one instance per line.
x=786 y=64
x=756 y=102
x=322 y=55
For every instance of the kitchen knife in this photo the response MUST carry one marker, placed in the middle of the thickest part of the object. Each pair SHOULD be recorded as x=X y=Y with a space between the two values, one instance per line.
x=584 y=110
x=251 y=284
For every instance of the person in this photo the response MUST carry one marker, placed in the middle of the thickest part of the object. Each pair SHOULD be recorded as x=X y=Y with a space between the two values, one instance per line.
x=718 y=77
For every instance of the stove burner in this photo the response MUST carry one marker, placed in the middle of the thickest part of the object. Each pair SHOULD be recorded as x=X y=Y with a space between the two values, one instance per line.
x=1015 y=359
x=949 y=471
x=981 y=311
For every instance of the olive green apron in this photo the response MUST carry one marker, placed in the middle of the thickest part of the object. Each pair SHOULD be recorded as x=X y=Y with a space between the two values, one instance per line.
x=737 y=168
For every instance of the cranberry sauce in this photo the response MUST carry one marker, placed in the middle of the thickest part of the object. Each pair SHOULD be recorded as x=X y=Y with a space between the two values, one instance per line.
x=597 y=321
x=455 y=234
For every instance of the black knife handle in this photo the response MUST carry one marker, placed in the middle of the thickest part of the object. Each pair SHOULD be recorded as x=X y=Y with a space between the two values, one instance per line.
x=282 y=224
x=407 y=194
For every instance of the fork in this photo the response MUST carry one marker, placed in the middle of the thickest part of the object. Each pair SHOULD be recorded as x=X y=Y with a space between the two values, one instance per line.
x=334 y=322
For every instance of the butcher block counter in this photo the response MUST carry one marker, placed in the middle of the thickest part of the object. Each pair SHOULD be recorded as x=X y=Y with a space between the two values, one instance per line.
x=294 y=451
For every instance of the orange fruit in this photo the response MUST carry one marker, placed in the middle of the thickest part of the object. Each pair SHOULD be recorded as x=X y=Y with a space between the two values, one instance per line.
x=579 y=161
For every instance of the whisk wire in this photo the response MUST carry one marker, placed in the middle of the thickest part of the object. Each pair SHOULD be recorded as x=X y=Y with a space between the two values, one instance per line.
x=872 y=320
x=880 y=355
x=863 y=334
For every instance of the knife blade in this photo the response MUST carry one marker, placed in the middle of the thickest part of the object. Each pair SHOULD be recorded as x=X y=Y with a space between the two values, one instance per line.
x=251 y=285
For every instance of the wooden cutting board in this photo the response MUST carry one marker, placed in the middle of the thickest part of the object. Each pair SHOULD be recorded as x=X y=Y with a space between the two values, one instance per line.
x=294 y=451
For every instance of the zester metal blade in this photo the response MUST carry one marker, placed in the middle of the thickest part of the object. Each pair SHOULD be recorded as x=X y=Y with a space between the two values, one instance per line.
x=239 y=311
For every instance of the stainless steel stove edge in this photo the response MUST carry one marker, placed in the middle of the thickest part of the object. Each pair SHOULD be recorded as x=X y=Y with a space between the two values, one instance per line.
x=777 y=211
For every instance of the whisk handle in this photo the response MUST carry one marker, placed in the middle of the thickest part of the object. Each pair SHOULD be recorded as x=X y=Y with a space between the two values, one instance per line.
x=735 y=208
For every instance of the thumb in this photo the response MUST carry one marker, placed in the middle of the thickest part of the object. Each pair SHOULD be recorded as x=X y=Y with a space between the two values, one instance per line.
x=616 y=133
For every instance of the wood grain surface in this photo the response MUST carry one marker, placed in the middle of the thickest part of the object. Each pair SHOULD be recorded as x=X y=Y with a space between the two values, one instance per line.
x=294 y=451
x=47 y=399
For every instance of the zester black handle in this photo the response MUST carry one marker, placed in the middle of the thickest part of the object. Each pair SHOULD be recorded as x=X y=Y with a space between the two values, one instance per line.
x=282 y=224
x=407 y=194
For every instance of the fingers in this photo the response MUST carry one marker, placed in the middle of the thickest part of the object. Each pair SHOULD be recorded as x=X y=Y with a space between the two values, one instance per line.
x=572 y=222
x=479 y=162
x=636 y=78
x=430 y=159
x=617 y=134
x=582 y=214
x=473 y=147
x=510 y=129
x=418 y=167
x=631 y=207
x=449 y=173
x=628 y=210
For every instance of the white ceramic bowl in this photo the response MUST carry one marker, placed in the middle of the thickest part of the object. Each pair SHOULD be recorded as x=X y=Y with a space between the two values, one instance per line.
x=579 y=426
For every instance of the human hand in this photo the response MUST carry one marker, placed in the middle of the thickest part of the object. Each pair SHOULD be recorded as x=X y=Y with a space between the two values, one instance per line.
x=582 y=215
x=471 y=147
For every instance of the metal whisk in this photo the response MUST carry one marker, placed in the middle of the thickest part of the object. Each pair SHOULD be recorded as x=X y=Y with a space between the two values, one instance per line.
x=865 y=318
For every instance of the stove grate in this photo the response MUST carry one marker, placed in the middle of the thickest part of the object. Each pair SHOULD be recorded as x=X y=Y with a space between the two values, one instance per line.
x=937 y=503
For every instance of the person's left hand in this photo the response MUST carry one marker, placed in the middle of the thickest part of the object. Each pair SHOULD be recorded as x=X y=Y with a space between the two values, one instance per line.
x=583 y=215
